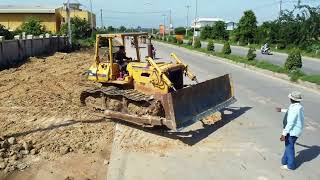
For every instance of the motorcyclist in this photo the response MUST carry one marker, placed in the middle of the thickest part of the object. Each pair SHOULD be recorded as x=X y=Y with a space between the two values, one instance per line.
x=265 y=48
x=153 y=52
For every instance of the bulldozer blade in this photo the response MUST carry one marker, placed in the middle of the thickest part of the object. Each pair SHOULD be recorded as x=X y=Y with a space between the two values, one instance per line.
x=193 y=103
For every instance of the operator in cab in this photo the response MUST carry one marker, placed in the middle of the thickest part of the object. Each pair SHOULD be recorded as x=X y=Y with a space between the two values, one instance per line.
x=121 y=58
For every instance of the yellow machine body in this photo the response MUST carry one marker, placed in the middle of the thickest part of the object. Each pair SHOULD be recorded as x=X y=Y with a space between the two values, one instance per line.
x=153 y=93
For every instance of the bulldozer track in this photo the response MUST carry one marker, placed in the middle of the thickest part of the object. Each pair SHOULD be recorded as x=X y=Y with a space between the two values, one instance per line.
x=114 y=91
x=127 y=101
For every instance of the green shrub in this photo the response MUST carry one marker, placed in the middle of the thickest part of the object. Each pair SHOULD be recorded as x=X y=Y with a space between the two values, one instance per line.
x=190 y=42
x=281 y=45
x=197 y=43
x=313 y=48
x=180 y=30
x=89 y=42
x=226 y=48
x=80 y=28
x=174 y=39
x=5 y=32
x=210 y=46
x=294 y=60
x=251 y=54
x=171 y=39
x=179 y=41
x=295 y=74
x=32 y=26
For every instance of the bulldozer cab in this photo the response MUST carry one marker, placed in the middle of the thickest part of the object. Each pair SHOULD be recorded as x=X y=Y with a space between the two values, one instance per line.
x=108 y=44
x=105 y=69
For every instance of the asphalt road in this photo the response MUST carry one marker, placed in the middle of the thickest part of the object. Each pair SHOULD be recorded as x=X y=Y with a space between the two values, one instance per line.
x=244 y=145
x=310 y=65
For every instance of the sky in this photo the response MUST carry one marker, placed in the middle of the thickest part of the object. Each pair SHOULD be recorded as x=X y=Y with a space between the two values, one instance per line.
x=151 y=13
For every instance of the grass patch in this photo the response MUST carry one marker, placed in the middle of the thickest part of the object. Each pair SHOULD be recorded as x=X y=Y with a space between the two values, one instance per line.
x=260 y=64
x=311 y=78
x=258 y=46
x=294 y=75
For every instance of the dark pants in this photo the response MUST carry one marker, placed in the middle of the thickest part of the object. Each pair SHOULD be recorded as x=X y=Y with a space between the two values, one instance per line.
x=288 y=157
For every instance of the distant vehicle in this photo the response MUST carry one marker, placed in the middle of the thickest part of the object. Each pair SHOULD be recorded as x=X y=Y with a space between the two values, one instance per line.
x=265 y=49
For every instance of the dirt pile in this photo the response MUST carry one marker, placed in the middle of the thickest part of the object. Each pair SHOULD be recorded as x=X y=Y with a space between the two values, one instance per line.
x=39 y=105
x=11 y=151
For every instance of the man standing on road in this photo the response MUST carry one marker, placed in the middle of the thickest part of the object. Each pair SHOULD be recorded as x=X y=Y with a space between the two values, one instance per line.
x=293 y=125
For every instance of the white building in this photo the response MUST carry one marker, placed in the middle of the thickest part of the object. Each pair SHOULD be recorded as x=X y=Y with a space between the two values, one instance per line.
x=202 y=22
x=231 y=25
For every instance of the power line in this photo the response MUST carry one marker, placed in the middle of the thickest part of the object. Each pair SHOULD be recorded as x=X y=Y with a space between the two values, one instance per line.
x=135 y=12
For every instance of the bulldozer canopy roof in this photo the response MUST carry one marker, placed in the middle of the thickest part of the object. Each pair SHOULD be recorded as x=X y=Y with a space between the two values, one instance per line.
x=123 y=34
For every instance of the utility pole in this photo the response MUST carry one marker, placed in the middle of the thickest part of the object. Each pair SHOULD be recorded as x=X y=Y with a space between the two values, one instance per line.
x=195 y=23
x=299 y=3
x=164 y=24
x=91 y=16
x=280 y=8
x=69 y=23
x=187 y=23
x=170 y=25
x=101 y=18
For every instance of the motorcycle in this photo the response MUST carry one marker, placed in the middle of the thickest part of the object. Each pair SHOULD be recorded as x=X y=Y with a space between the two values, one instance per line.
x=265 y=50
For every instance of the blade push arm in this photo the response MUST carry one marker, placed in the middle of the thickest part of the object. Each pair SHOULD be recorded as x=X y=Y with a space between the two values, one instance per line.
x=163 y=76
x=186 y=68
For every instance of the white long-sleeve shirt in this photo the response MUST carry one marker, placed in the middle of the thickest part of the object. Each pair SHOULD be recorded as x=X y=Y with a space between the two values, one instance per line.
x=295 y=120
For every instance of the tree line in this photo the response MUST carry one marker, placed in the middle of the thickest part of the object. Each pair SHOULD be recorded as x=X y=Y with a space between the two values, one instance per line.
x=299 y=28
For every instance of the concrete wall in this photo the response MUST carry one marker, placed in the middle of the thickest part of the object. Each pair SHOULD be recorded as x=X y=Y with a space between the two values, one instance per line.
x=15 y=52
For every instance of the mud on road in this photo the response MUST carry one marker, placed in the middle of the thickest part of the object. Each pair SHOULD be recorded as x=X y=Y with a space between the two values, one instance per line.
x=39 y=105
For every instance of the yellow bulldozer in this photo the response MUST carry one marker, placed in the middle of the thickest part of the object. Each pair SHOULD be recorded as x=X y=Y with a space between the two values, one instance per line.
x=151 y=93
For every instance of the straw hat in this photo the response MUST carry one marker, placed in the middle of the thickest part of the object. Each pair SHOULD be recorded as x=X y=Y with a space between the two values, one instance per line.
x=296 y=96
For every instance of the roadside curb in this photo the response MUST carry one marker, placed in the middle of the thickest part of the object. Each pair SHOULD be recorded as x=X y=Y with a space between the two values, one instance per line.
x=299 y=83
x=115 y=144
x=273 y=52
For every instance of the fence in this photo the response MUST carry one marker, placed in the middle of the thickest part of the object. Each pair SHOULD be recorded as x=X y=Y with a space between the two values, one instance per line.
x=14 y=52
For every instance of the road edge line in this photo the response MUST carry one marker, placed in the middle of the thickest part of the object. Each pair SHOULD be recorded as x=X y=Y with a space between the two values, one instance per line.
x=113 y=148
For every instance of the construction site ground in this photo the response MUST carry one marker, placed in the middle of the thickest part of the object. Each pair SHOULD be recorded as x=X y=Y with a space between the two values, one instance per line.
x=40 y=108
x=39 y=104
